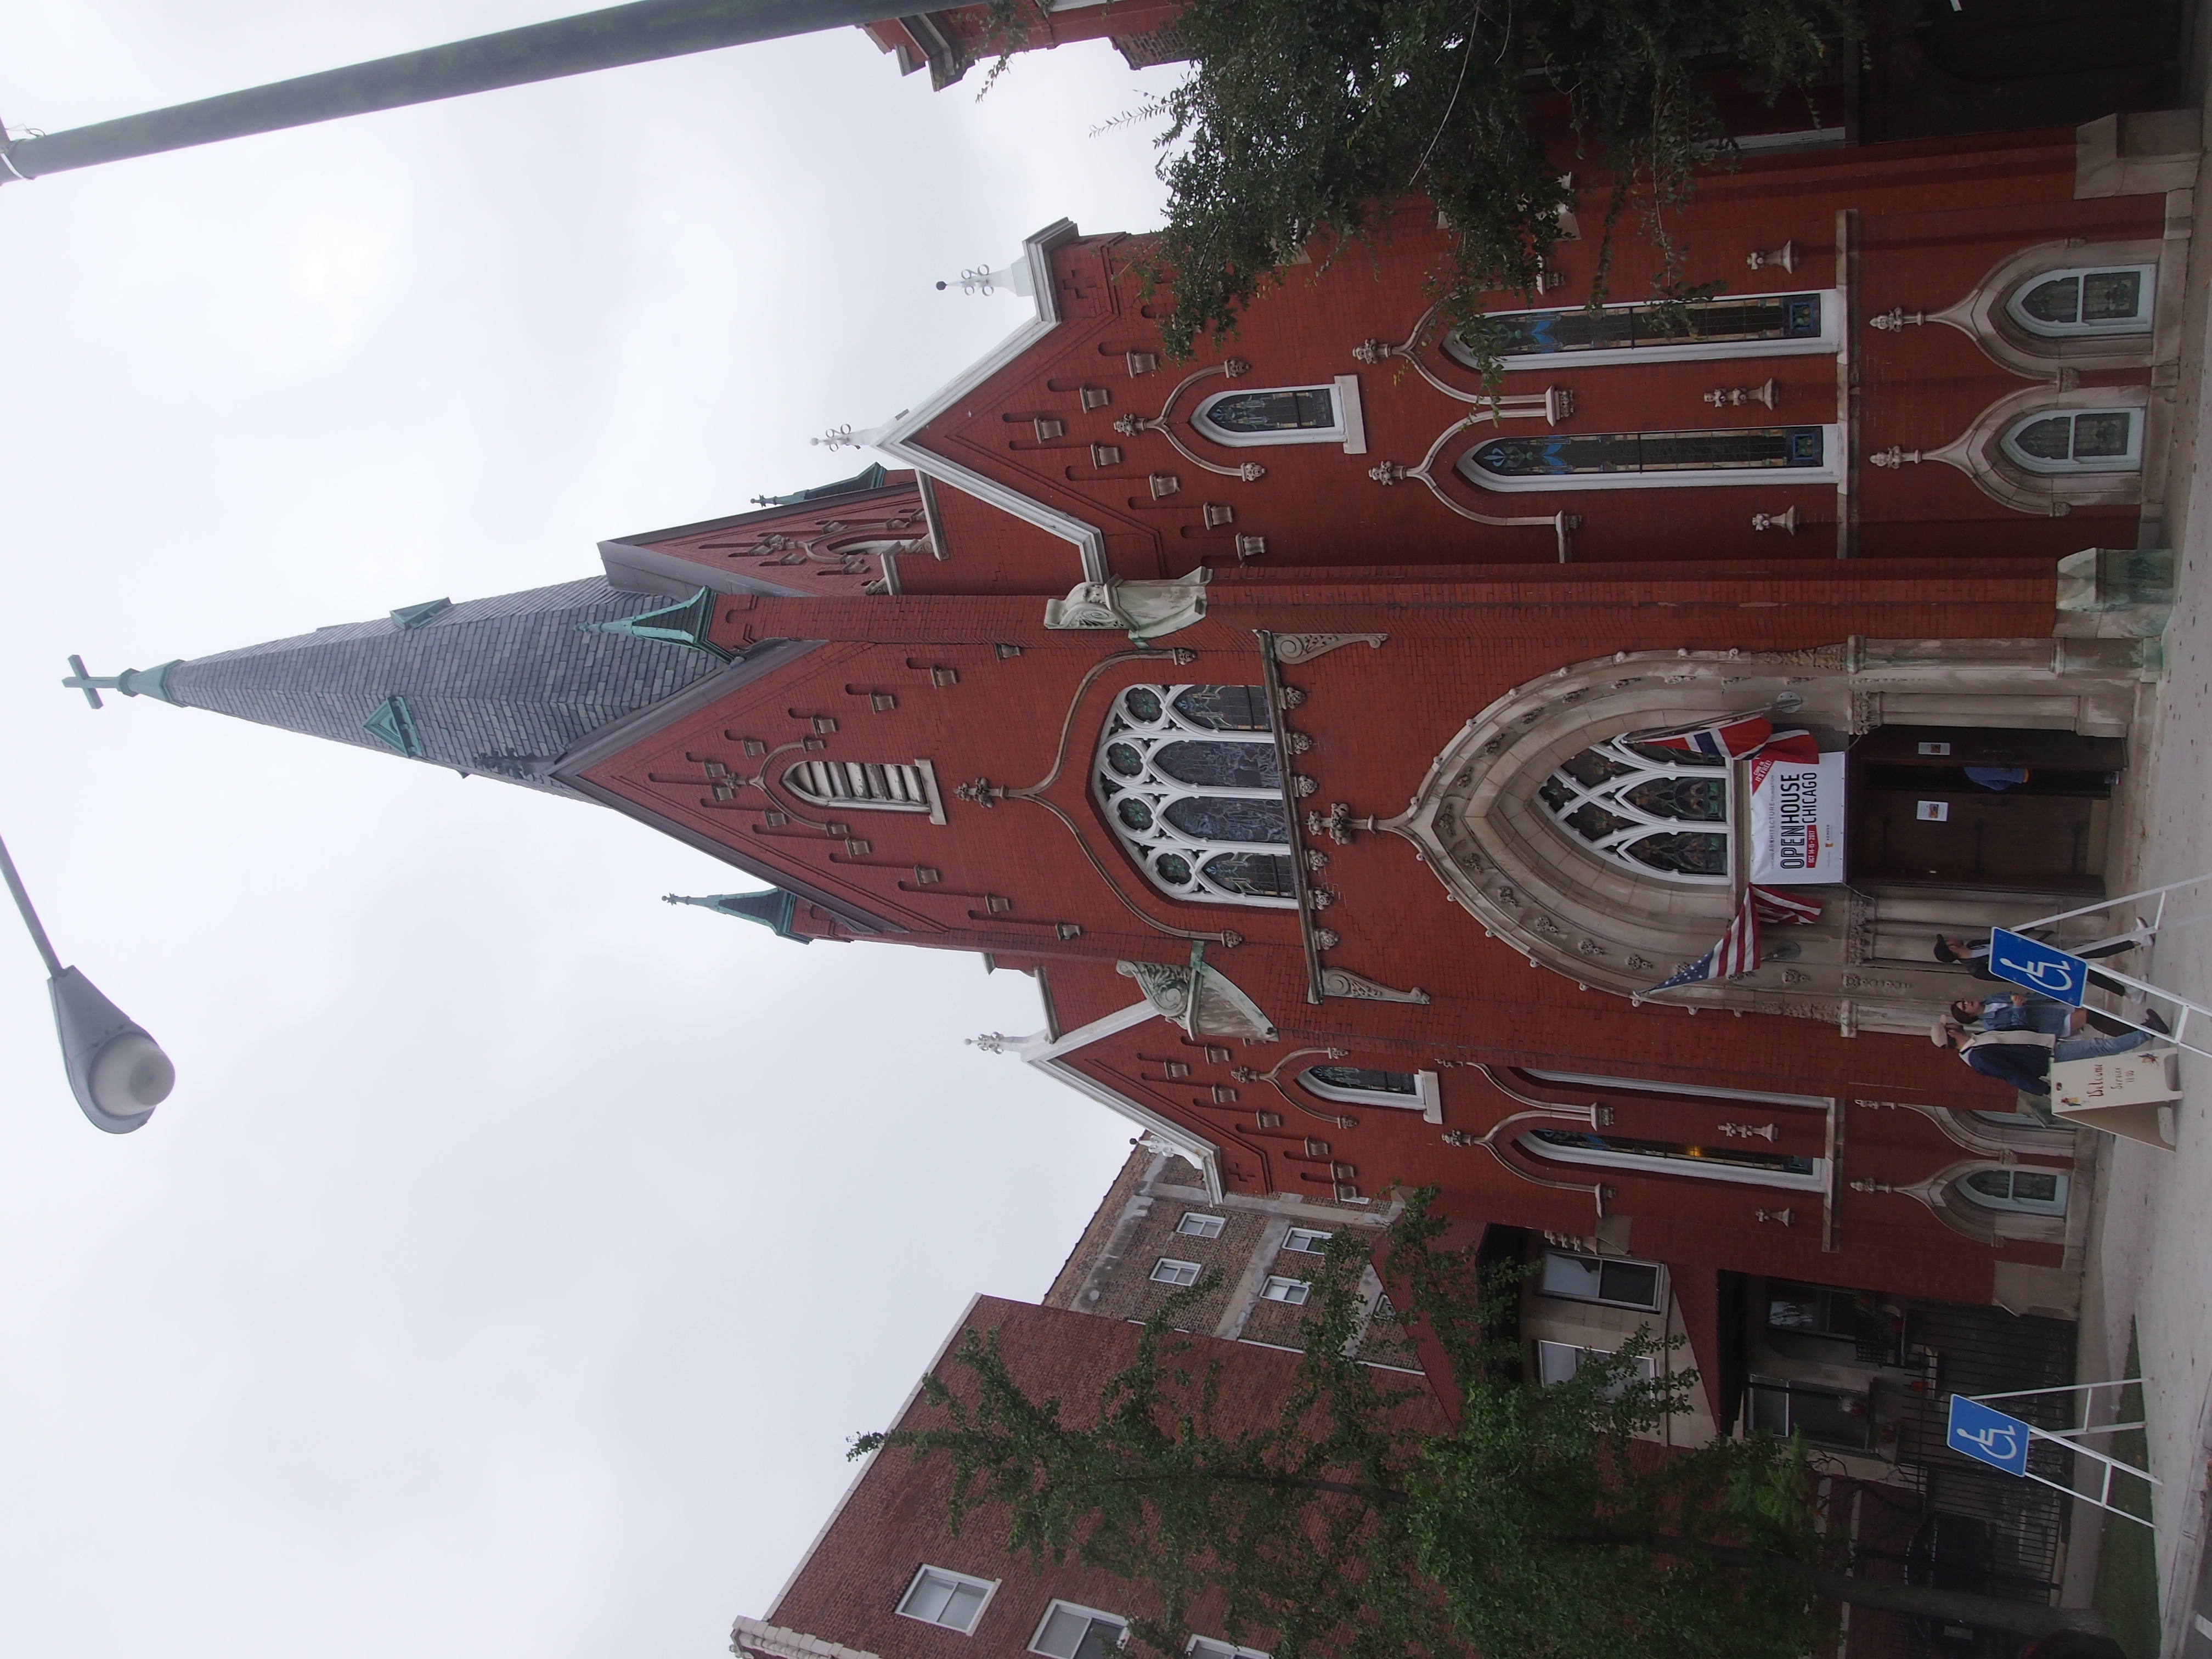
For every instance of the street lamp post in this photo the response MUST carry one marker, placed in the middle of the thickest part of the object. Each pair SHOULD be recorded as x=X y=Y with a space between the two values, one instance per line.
x=640 y=31
x=118 y=1073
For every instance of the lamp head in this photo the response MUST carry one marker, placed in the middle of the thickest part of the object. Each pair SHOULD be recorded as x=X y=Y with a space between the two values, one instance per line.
x=117 y=1071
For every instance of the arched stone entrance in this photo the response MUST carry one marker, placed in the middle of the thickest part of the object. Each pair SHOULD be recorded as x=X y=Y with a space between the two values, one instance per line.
x=1484 y=824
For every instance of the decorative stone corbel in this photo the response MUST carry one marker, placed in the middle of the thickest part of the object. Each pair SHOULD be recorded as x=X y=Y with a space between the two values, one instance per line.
x=1149 y=609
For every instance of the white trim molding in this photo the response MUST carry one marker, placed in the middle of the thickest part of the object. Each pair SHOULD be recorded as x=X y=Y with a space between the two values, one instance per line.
x=778 y=1642
x=895 y=440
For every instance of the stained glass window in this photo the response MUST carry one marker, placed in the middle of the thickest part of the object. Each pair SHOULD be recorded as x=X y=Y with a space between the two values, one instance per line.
x=1189 y=778
x=2114 y=300
x=1297 y=409
x=2030 y=1192
x=1629 y=802
x=1573 y=455
x=1643 y=326
x=1272 y=415
x=2078 y=440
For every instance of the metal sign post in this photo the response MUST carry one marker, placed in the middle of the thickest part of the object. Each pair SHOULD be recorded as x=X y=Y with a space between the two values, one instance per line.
x=2049 y=971
x=1977 y=1431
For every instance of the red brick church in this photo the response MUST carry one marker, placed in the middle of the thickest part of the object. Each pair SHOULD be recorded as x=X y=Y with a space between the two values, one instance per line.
x=1290 y=712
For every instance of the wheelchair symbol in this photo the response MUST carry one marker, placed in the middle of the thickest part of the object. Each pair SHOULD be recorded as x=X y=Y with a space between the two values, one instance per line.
x=2045 y=974
x=2000 y=1442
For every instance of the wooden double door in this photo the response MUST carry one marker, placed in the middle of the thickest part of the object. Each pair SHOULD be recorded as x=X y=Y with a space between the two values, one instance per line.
x=1975 y=806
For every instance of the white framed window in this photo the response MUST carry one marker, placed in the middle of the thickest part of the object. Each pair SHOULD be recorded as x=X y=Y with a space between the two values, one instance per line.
x=1731 y=1162
x=1308 y=1241
x=1205 y=1647
x=1557 y=1362
x=2077 y=440
x=1611 y=1280
x=1189 y=780
x=1169 y=1271
x=1292 y=1292
x=1697 y=458
x=869 y=786
x=1365 y=1085
x=1639 y=331
x=1069 y=1632
x=1242 y=416
x=952 y=1600
x=1196 y=1224
x=2019 y=1190
x=1662 y=812
x=2086 y=300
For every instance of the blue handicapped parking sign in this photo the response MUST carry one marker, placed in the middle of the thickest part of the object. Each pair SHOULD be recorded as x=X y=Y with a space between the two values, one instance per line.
x=2038 y=967
x=1987 y=1435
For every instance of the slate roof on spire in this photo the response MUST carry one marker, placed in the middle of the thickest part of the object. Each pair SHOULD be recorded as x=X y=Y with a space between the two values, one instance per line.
x=504 y=686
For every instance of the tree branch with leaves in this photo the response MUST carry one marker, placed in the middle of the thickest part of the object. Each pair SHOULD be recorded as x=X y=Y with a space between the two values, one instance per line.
x=1355 y=1521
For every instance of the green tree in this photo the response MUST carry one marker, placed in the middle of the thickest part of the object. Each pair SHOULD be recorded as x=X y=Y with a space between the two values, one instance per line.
x=1314 y=118
x=1350 y=1525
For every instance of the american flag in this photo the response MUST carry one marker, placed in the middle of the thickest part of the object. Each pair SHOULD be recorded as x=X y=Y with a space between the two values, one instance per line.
x=1733 y=739
x=1737 y=953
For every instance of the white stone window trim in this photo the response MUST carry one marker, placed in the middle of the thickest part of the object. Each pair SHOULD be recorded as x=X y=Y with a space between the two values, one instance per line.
x=1168 y=1270
x=1811 y=1102
x=1307 y=1240
x=1208 y=1226
x=2008 y=1205
x=1349 y=428
x=1208 y=1647
x=1833 y=455
x=1075 y=1610
x=1607 y=797
x=1290 y=1292
x=1659 y=1164
x=2130 y=462
x=1427 y=1097
x=1158 y=790
x=2141 y=323
x=1826 y=341
x=989 y=1587
x=913 y=786
x=1546 y=1286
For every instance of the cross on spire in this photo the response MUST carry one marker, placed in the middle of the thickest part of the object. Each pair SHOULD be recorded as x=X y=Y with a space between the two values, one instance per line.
x=131 y=682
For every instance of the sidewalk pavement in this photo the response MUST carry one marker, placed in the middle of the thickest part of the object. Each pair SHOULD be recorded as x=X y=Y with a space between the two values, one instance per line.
x=2149 y=1258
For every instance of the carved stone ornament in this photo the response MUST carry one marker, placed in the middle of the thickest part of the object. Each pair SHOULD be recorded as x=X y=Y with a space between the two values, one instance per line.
x=1217 y=1008
x=1357 y=988
x=1304 y=648
x=1148 y=609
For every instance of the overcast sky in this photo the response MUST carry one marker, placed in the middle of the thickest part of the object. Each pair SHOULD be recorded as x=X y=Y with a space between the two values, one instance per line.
x=517 y=1252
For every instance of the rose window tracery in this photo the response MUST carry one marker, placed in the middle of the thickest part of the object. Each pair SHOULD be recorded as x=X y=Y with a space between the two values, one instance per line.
x=1189 y=778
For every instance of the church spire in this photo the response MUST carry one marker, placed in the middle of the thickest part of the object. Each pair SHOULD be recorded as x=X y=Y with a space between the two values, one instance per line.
x=504 y=686
x=772 y=910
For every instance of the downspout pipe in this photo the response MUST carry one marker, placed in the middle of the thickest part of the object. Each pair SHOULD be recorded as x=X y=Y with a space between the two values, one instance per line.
x=636 y=34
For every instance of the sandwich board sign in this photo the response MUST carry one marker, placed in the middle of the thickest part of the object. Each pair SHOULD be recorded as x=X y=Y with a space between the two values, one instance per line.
x=2038 y=967
x=1987 y=1435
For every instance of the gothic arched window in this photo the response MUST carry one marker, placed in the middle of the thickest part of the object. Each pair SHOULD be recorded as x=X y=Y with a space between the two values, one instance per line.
x=2019 y=1190
x=1728 y=1162
x=885 y=787
x=1570 y=460
x=1273 y=415
x=1660 y=813
x=1757 y=324
x=1365 y=1085
x=2086 y=300
x=2077 y=440
x=1187 y=777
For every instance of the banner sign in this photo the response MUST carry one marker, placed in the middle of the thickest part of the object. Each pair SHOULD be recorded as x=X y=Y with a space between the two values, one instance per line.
x=1797 y=820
